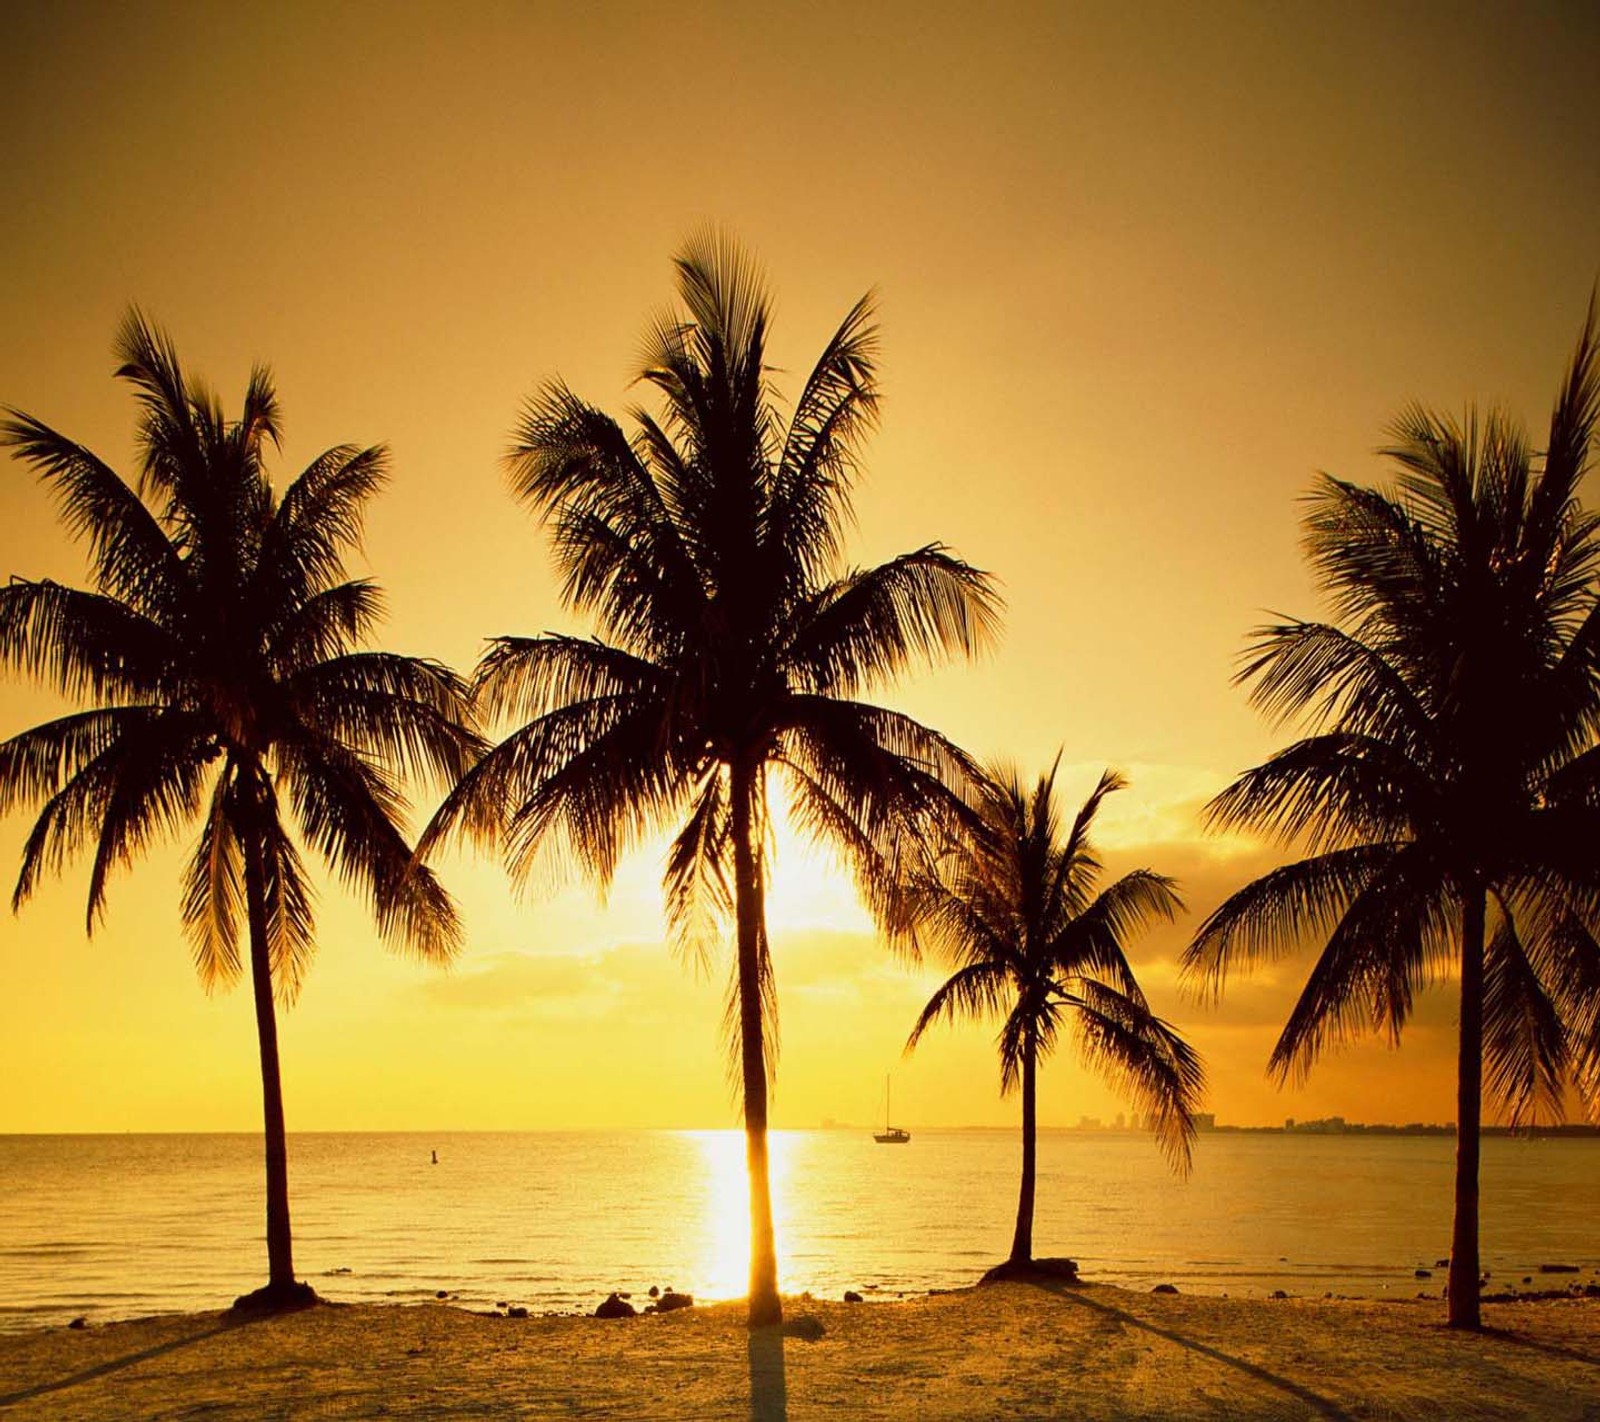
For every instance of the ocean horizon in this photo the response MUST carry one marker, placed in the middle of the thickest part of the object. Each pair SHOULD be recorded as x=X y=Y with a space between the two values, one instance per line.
x=109 y=1226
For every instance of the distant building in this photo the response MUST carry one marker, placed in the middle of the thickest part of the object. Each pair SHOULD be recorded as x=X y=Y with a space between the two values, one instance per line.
x=1327 y=1126
x=1205 y=1120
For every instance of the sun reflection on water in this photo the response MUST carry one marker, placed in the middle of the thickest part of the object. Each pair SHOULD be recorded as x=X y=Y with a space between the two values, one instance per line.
x=723 y=1265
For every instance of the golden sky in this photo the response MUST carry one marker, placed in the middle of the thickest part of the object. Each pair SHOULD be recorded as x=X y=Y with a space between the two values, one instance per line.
x=1143 y=271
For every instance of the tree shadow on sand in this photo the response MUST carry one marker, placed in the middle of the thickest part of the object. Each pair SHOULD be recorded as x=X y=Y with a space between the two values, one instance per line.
x=1555 y=1350
x=116 y=1365
x=1315 y=1401
x=769 y=1388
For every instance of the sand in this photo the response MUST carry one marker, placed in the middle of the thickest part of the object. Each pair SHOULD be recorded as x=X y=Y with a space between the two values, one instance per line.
x=1011 y=1350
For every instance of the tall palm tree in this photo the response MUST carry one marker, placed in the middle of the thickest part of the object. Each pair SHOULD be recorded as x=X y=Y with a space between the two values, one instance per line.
x=1448 y=791
x=1015 y=909
x=215 y=655
x=707 y=547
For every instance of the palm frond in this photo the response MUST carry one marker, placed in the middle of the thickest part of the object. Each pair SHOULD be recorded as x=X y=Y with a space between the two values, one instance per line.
x=35 y=764
x=349 y=812
x=874 y=783
x=410 y=712
x=318 y=520
x=837 y=408
x=83 y=645
x=1526 y=1055
x=699 y=894
x=213 y=904
x=291 y=925
x=1572 y=432
x=1328 y=791
x=1274 y=915
x=324 y=626
x=1325 y=675
x=1392 y=940
x=155 y=786
x=1142 y=1056
x=169 y=443
x=975 y=991
x=1095 y=942
x=133 y=561
x=72 y=815
x=1372 y=557
x=874 y=624
x=528 y=677
x=1035 y=1020
x=1077 y=865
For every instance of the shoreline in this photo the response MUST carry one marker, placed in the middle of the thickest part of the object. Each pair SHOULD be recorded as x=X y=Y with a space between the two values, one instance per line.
x=1013 y=1349
x=1409 y=1285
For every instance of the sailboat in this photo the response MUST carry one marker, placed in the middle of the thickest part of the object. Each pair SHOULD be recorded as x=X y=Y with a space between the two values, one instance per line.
x=889 y=1135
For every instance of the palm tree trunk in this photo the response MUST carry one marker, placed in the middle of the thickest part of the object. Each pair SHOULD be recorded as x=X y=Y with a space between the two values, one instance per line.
x=280 y=1247
x=1022 y=1240
x=765 y=1306
x=1464 y=1272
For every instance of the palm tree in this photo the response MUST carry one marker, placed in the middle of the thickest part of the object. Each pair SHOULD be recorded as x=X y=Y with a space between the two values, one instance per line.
x=1448 y=791
x=707 y=547
x=216 y=657
x=1014 y=909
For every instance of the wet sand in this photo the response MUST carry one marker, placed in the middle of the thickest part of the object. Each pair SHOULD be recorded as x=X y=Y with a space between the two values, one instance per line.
x=1011 y=1350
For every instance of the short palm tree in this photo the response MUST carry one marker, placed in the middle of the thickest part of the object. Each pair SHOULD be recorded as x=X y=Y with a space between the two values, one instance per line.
x=1017 y=911
x=216 y=657
x=1448 y=791
x=707 y=546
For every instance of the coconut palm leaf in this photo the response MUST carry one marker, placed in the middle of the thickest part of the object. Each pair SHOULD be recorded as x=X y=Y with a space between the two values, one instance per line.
x=836 y=410
x=214 y=894
x=1144 y=1058
x=1275 y=915
x=80 y=644
x=974 y=991
x=878 y=623
x=131 y=557
x=1526 y=1055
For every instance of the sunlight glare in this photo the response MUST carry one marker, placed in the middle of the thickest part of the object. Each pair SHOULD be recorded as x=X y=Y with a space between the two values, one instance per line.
x=723 y=1270
x=808 y=887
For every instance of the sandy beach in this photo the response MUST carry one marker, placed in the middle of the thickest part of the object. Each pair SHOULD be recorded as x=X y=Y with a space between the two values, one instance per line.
x=1012 y=1350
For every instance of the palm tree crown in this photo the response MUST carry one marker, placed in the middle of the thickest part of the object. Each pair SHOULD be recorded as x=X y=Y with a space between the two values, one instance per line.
x=217 y=655
x=1019 y=913
x=1449 y=791
x=707 y=546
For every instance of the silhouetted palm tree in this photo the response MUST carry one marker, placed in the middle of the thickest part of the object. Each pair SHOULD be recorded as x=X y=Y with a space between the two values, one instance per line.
x=1449 y=791
x=215 y=658
x=1014 y=908
x=707 y=545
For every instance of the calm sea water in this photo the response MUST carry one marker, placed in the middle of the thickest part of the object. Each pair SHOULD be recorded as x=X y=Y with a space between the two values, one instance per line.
x=119 y=1226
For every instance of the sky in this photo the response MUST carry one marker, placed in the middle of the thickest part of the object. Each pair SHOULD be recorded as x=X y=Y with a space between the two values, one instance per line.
x=1141 y=272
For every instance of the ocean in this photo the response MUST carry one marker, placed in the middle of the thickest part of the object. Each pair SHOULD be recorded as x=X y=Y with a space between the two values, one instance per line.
x=110 y=1227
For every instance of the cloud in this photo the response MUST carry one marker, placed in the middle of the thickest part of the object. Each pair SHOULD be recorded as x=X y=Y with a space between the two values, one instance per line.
x=818 y=956
x=556 y=984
